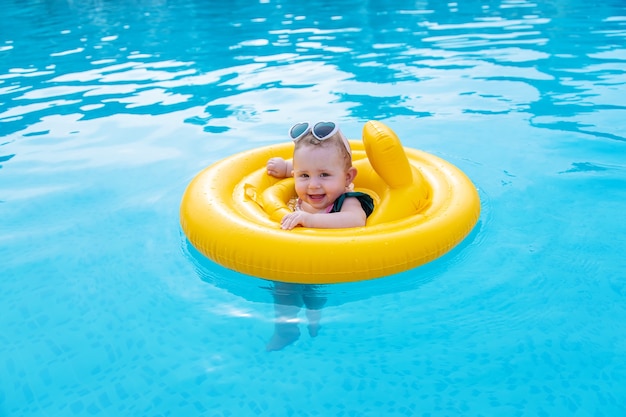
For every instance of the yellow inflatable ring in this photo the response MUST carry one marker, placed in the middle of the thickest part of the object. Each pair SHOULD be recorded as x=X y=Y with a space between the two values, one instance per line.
x=425 y=206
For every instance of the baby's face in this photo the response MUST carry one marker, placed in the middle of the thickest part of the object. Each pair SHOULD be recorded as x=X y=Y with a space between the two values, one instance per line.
x=320 y=176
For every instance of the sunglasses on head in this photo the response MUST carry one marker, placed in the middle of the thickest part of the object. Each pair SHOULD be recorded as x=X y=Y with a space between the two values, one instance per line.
x=321 y=131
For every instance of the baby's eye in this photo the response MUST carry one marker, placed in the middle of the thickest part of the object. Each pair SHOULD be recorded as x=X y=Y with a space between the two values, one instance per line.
x=324 y=174
x=304 y=175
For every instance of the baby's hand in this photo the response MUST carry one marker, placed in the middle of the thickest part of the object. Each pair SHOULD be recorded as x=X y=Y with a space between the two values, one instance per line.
x=297 y=218
x=277 y=167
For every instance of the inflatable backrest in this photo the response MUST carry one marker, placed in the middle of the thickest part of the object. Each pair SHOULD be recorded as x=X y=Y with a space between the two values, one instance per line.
x=386 y=154
x=406 y=191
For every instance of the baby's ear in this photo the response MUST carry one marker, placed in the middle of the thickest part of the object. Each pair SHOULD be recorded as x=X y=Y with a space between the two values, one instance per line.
x=351 y=174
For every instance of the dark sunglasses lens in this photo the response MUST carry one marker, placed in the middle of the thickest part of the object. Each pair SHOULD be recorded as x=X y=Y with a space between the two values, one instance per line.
x=298 y=129
x=323 y=129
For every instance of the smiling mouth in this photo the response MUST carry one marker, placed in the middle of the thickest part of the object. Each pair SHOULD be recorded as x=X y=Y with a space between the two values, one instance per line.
x=316 y=197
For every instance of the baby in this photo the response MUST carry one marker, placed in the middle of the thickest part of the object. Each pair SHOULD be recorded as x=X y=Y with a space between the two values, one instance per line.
x=323 y=173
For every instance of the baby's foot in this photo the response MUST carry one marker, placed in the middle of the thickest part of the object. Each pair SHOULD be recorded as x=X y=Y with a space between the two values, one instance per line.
x=314 y=329
x=314 y=317
x=284 y=335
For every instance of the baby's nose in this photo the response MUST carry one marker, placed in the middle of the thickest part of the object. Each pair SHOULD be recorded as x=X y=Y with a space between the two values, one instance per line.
x=315 y=182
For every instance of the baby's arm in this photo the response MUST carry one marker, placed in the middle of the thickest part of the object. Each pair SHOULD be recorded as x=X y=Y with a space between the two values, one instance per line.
x=279 y=167
x=351 y=215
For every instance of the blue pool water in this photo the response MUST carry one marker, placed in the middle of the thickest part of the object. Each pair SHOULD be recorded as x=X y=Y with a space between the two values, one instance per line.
x=109 y=108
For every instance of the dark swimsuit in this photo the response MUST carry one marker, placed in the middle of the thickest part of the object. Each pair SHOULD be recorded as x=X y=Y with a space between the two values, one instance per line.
x=367 y=203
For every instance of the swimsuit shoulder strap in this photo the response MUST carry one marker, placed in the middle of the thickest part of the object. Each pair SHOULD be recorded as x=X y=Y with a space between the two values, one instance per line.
x=367 y=203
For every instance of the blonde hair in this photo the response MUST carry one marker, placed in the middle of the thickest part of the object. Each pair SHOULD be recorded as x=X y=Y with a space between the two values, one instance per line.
x=337 y=140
